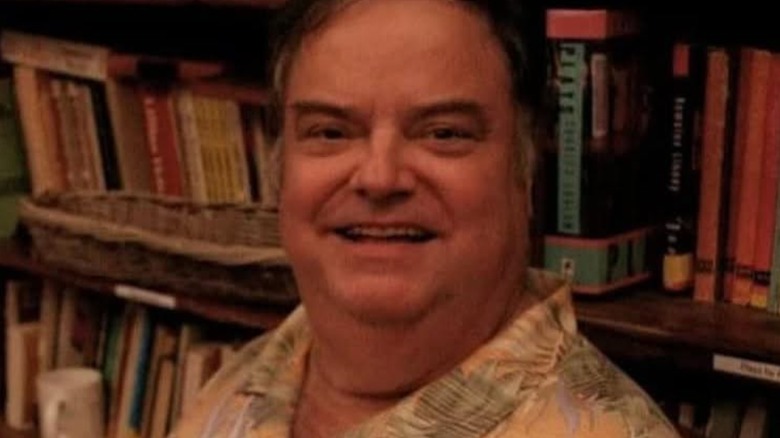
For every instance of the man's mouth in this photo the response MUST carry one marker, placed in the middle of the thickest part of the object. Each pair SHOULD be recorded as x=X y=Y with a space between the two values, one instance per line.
x=390 y=234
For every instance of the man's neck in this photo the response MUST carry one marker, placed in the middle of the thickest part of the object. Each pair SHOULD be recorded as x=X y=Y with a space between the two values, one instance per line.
x=357 y=369
x=325 y=411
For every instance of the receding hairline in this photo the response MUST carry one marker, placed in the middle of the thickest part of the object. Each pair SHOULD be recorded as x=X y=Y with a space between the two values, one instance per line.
x=318 y=18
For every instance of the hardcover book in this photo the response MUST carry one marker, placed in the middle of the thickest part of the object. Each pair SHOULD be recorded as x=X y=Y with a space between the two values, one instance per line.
x=599 y=88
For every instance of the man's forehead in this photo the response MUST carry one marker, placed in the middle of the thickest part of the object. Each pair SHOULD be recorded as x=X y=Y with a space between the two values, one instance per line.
x=379 y=57
x=373 y=40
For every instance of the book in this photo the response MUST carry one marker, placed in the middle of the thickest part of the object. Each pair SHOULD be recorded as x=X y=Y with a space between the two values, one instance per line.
x=682 y=167
x=719 y=122
x=14 y=177
x=746 y=174
x=598 y=81
x=763 y=274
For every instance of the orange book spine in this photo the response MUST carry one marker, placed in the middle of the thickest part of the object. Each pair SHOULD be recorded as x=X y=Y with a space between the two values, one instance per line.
x=590 y=24
x=748 y=204
x=735 y=180
x=767 y=197
x=711 y=217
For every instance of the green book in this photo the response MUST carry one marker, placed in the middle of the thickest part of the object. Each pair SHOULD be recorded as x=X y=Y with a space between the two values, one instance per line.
x=14 y=179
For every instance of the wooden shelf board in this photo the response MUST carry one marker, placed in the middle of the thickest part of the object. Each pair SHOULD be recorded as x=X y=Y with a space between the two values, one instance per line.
x=15 y=257
x=246 y=93
x=634 y=324
x=681 y=326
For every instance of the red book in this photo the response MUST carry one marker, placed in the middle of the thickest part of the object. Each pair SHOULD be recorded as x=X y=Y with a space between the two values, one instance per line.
x=767 y=195
x=163 y=141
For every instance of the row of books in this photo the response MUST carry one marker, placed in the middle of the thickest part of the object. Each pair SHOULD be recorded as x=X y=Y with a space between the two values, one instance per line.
x=152 y=364
x=95 y=119
x=597 y=168
x=727 y=124
x=690 y=147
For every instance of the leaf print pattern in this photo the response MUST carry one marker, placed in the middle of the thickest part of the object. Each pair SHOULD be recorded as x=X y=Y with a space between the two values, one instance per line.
x=538 y=377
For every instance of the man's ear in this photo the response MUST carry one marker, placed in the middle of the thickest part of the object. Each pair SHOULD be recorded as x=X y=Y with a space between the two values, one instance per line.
x=527 y=138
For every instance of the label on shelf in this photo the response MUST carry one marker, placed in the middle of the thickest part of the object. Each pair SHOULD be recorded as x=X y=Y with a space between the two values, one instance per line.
x=145 y=296
x=748 y=368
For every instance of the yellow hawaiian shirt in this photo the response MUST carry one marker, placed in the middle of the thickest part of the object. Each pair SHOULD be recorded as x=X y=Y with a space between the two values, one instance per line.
x=536 y=378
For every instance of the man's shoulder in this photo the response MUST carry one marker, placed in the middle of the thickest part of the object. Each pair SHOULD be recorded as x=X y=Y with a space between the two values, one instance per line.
x=592 y=397
x=607 y=391
x=586 y=395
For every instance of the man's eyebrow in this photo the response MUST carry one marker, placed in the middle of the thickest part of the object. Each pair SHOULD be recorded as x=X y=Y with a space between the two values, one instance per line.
x=306 y=107
x=456 y=106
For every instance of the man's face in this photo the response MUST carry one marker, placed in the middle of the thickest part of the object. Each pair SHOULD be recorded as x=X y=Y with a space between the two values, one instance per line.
x=398 y=191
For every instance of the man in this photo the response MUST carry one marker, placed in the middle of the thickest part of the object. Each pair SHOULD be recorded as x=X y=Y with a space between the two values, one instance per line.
x=405 y=131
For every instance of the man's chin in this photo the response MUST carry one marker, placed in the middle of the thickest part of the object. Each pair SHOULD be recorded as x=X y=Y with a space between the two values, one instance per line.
x=380 y=305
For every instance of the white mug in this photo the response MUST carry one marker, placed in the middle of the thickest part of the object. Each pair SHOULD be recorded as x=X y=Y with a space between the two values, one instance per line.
x=70 y=403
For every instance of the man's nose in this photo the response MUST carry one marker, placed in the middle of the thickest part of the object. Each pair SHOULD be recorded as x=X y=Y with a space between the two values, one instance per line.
x=383 y=171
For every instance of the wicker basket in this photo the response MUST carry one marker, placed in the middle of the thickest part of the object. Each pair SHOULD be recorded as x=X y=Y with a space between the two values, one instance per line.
x=224 y=251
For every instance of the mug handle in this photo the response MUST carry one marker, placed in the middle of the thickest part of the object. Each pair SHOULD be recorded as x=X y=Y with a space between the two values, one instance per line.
x=51 y=417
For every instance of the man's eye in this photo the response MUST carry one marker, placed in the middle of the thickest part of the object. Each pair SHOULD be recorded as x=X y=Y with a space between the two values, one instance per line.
x=327 y=133
x=450 y=134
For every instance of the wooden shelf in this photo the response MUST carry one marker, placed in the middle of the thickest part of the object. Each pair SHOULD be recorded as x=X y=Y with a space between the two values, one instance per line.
x=245 y=93
x=15 y=257
x=650 y=327
x=638 y=325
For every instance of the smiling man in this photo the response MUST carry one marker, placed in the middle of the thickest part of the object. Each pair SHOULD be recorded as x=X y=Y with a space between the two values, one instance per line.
x=405 y=127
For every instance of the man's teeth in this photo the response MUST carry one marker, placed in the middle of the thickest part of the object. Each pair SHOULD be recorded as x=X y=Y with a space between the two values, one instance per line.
x=410 y=234
x=386 y=232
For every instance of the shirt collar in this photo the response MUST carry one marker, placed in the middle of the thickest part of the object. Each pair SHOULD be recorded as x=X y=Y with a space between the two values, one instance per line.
x=491 y=381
